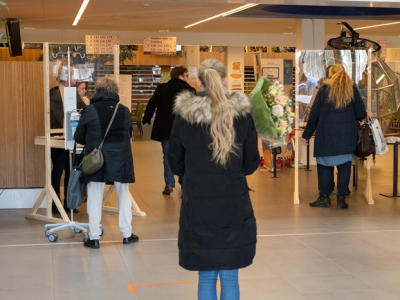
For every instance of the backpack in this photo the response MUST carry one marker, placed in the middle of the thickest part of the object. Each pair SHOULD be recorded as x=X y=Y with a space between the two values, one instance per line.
x=365 y=141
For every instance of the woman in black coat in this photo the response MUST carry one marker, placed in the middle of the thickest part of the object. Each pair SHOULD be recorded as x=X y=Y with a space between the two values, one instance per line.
x=334 y=116
x=214 y=144
x=118 y=161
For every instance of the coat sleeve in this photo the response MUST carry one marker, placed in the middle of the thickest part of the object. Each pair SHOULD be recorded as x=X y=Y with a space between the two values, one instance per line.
x=359 y=106
x=88 y=115
x=151 y=106
x=251 y=156
x=176 y=151
x=313 y=120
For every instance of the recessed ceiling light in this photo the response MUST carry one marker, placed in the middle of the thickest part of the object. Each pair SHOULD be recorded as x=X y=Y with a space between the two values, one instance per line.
x=224 y=14
x=80 y=12
x=379 y=25
x=29 y=28
x=163 y=30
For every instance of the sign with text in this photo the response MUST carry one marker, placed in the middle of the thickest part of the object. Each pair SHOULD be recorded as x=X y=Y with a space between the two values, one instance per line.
x=159 y=45
x=101 y=44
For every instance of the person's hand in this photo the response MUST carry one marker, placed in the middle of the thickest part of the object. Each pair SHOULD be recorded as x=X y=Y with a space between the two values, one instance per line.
x=304 y=141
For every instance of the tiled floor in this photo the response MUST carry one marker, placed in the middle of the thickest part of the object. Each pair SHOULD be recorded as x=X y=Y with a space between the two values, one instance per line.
x=302 y=252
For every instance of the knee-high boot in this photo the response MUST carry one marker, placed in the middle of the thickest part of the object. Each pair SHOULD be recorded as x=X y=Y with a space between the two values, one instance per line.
x=341 y=203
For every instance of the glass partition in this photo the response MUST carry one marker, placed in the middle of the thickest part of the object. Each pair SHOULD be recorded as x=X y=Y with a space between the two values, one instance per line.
x=311 y=67
x=83 y=67
x=71 y=77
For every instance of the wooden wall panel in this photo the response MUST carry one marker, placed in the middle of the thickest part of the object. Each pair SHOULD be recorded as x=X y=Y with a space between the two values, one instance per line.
x=27 y=55
x=150 y=60
x=212 y=55
x=22 y=118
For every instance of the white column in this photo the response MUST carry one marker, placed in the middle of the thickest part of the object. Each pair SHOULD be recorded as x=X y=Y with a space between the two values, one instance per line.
x=310 y=34
x=234 y=61
x=192 y=55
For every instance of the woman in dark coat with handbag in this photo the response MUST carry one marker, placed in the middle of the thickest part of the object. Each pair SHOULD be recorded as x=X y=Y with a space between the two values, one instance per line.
x=214 y=144
x=118 y=161
x=334 y=116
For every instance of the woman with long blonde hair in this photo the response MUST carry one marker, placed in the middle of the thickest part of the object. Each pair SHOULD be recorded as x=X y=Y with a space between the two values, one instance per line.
x=334 y=115
x=214 y=144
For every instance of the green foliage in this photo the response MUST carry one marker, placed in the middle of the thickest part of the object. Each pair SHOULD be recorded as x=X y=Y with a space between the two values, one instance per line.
x=125 y=52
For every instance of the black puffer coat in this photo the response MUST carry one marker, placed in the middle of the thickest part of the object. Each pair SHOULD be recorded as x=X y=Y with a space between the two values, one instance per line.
x=163 y=101
x=118 y=161
x=217 y=224
x=336 y=129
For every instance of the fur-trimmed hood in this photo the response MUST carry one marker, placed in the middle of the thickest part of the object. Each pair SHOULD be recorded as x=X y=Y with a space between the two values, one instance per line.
x=196 y=109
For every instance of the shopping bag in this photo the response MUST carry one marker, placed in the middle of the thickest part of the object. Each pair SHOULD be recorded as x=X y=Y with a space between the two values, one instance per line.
x=380 y=141
x=365 y=140
x=75 y=189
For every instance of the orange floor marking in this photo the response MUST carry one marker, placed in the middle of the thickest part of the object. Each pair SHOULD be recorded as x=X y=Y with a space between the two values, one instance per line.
x=132 y=287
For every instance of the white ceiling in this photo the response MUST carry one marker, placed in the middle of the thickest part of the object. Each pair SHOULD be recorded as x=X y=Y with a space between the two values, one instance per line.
x=151 y=16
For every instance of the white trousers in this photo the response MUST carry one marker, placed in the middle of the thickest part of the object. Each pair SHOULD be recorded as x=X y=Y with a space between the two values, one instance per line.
x=94 y=208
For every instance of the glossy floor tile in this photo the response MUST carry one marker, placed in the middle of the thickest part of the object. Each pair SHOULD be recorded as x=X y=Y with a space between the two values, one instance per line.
x=303 y=253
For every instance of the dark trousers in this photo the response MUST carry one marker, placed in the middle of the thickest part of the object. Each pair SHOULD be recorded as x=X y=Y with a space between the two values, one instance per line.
x=325 y=178
x=60 y=160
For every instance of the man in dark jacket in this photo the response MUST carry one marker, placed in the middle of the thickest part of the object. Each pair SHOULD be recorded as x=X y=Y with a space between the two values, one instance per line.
x=163 y=100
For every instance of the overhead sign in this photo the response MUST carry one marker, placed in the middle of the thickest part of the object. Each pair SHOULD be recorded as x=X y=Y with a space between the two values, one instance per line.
x=101 y=44
x=159 y=45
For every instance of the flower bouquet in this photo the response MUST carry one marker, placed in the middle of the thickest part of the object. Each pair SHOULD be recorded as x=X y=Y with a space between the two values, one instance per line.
x=271 y=110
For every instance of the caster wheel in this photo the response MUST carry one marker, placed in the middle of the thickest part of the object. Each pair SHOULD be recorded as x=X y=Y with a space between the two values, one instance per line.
x=53 y=237
x=47 y=232
x=85 y=236
x=102 y=231
x=77 y=230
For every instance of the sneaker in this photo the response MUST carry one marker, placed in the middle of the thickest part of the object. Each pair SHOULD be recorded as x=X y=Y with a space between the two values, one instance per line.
x=132 y=239
x=167 y=190
x=94 y=244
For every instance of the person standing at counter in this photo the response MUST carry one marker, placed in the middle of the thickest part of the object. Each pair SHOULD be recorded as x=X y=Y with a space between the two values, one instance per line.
x=117 y=153
x=60 y=157
x=334 y=117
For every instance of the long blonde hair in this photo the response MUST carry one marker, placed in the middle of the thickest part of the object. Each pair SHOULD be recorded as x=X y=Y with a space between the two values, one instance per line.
x=212 y=74
x=340 y=86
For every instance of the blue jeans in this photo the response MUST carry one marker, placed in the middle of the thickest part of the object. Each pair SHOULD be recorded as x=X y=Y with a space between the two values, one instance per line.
x=168 y=175
x=207 y=289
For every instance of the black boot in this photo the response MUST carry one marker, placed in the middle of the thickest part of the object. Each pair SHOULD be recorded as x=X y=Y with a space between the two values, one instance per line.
x=322 y=201
x=341 y=203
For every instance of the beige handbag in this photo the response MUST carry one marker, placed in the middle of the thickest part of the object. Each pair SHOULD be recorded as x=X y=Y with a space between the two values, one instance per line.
x=93 y=161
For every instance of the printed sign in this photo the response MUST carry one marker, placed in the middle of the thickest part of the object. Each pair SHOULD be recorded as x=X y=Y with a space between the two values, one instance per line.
x=101 y=44
x=159 y=45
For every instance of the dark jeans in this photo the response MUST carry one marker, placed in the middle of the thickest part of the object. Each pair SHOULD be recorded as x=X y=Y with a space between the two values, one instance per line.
x=168 y=175
x=60 y=160
x=325 y=178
